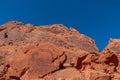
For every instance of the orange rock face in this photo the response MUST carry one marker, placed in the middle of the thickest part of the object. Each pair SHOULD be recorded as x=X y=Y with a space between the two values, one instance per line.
x=37 y=62
x=29 y=52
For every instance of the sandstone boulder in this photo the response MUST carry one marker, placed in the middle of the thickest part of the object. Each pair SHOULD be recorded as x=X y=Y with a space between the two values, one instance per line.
x=37 y=62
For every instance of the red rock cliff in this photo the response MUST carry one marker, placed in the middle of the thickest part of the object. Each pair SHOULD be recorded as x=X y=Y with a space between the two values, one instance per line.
x=29 y=52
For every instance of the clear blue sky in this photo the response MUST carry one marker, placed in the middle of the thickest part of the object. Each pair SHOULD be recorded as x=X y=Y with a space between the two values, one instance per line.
x=99 y=19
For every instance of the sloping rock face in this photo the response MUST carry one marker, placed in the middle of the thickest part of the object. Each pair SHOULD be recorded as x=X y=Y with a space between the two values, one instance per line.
x=54 y=52
x=114 y=46
x=38 y=61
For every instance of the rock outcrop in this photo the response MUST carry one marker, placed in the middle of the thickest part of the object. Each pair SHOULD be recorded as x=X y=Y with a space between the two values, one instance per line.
x=29 y=52
x=114 y=46
x=35 y=62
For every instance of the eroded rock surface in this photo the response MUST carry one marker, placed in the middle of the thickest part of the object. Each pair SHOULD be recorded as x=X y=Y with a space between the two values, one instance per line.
x=114 y=46
x=36 y=62
x=29 y=52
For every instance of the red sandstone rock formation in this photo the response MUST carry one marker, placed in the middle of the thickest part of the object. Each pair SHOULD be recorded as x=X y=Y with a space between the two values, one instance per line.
x=29 y=52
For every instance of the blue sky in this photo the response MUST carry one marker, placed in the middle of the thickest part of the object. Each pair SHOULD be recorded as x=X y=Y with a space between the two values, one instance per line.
x=98 y=19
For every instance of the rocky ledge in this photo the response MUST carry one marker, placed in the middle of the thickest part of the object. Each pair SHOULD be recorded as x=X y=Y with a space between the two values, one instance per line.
x=54 y=52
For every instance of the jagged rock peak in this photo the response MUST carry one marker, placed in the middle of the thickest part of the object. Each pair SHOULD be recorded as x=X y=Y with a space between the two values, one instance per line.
x=114 y=44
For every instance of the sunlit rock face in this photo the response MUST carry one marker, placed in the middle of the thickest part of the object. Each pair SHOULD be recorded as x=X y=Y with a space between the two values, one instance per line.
x=54 y=52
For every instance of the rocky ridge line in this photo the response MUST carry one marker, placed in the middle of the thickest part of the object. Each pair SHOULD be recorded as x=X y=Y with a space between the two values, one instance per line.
x=54 y=52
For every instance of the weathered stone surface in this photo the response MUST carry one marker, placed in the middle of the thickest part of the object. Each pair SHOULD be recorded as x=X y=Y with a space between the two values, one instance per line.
x=67 y=38
x=94 y=75
x=114 y=46
x=106 y=61
x=67 y=74
x=37 y=61
x=29 y=52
